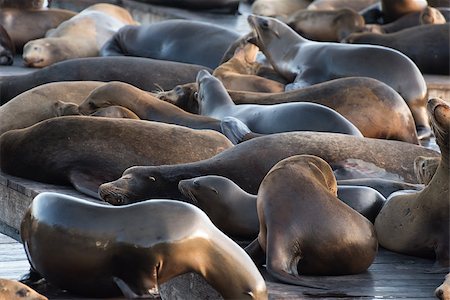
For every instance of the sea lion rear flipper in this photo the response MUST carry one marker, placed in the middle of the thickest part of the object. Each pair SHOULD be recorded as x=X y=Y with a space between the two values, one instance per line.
x=130 y=294
x=86 y=182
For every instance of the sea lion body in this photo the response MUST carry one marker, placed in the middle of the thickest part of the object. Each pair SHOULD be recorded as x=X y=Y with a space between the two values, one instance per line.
x=215 y=102
x=305 y=228
x=24 y=25
x=306 y=62
x=394 y=9
x=333 y=4
x=144 y=105
x=418 y=223
x=372 y=106
x=326 y=25
x=87 y=151
x=105 y=247
x=278 y=8
x=7 y=49
x=43 y=102
x=174 y=40
x=115 y=111
x=222 y=6
x=22 y=4
x=428 y=55
x=144 y=73
x=362 y=157
x=81 y=36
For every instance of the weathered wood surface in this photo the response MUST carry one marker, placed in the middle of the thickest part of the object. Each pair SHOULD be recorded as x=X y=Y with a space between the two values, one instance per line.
x=392 y=276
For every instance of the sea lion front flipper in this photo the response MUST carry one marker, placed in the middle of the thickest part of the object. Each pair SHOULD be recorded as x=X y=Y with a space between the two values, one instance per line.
x=236 y=131
x=86 y=182
x=130 y=294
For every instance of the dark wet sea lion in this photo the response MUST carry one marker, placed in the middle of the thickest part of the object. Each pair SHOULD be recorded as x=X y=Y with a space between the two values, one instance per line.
x=418 y=223
x=215 y=102
x=247 y=163
x=233 y=210
x=81 y=36
x=7 y=49
x=14 y=290
x=428 y=55
x=24 y=25
x=87 y=151
x=371 y=105
x=308 y=62
x=99 y=250
x=305 y=228
x=43 y=102
x=175 y=40
x=326 y=25
x=144 y=105
x=144 y=73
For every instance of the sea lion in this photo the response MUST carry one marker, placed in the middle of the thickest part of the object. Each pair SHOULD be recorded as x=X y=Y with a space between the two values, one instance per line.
x=240 y=72
x=308 y=62
x=428 y=55
x=215 y=102
x=22 y=4
x=43 y=102
x=115 y=111
x=339 y=4
x=278 y=8
x=429 y=15
x=81 y=36
x=86 y=151
x=371 y=105
x=14 y=290
x=213 y=6
x=418 y=223
x=175 y=40
x=144 y=73
x=305 y=228
x=25 y=25
x=384 y=186
x=7 y=49
x=394 y=9
x=374 y=158
x=99 y=250
x=144 y=105
x=326 y=25
x=233 y=210
x=443 y=291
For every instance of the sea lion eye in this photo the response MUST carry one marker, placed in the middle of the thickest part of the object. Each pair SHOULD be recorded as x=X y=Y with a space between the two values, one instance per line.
x=265 y=24
x=196 y=95
x=152 y=178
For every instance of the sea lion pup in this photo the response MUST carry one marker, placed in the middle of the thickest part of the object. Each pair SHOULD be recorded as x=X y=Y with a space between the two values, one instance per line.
x=87 y=151
x=7 y=49
x=326 y=25
x=233 y=210
x=278 y=8
x=418 y=223
x=371 y=105
x=239 y=73
x=215 y=102
x=175 y=40
x=443 y=291
x=81 y=36
x=304 y=62
x=305 y=228
x=429 y=15
x=14 y=290
x=428 y=55
x=247 y=163
x=144 y=105
x=145 y=73
x=44 y=102
x=24 y=25
x=132 y=249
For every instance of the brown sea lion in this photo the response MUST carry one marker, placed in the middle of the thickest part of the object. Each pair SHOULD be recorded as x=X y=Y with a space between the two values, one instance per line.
x=240 y=72
x=326 y=25
x=81 y=36
x=144 y=105
x=43 y=102
x=362 y=157
x=418 y=223
x=443 y=291
x=278 y=8
x=144 y=73
x=86 y=151
x=394 y=9
x=25 y=25
x=115 y=111
x=339 y=4
x=7 y=49
x=428 y=55
x=308 y=62
x=14 y=290
x=305 y=228
x=99 y=250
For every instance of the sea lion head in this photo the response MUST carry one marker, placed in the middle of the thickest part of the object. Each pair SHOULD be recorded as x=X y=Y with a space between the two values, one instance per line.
x=182 y=96
x=204 y=187
x=44 y=52
x=264 y=29
x=439 y=113
x=14 y=290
